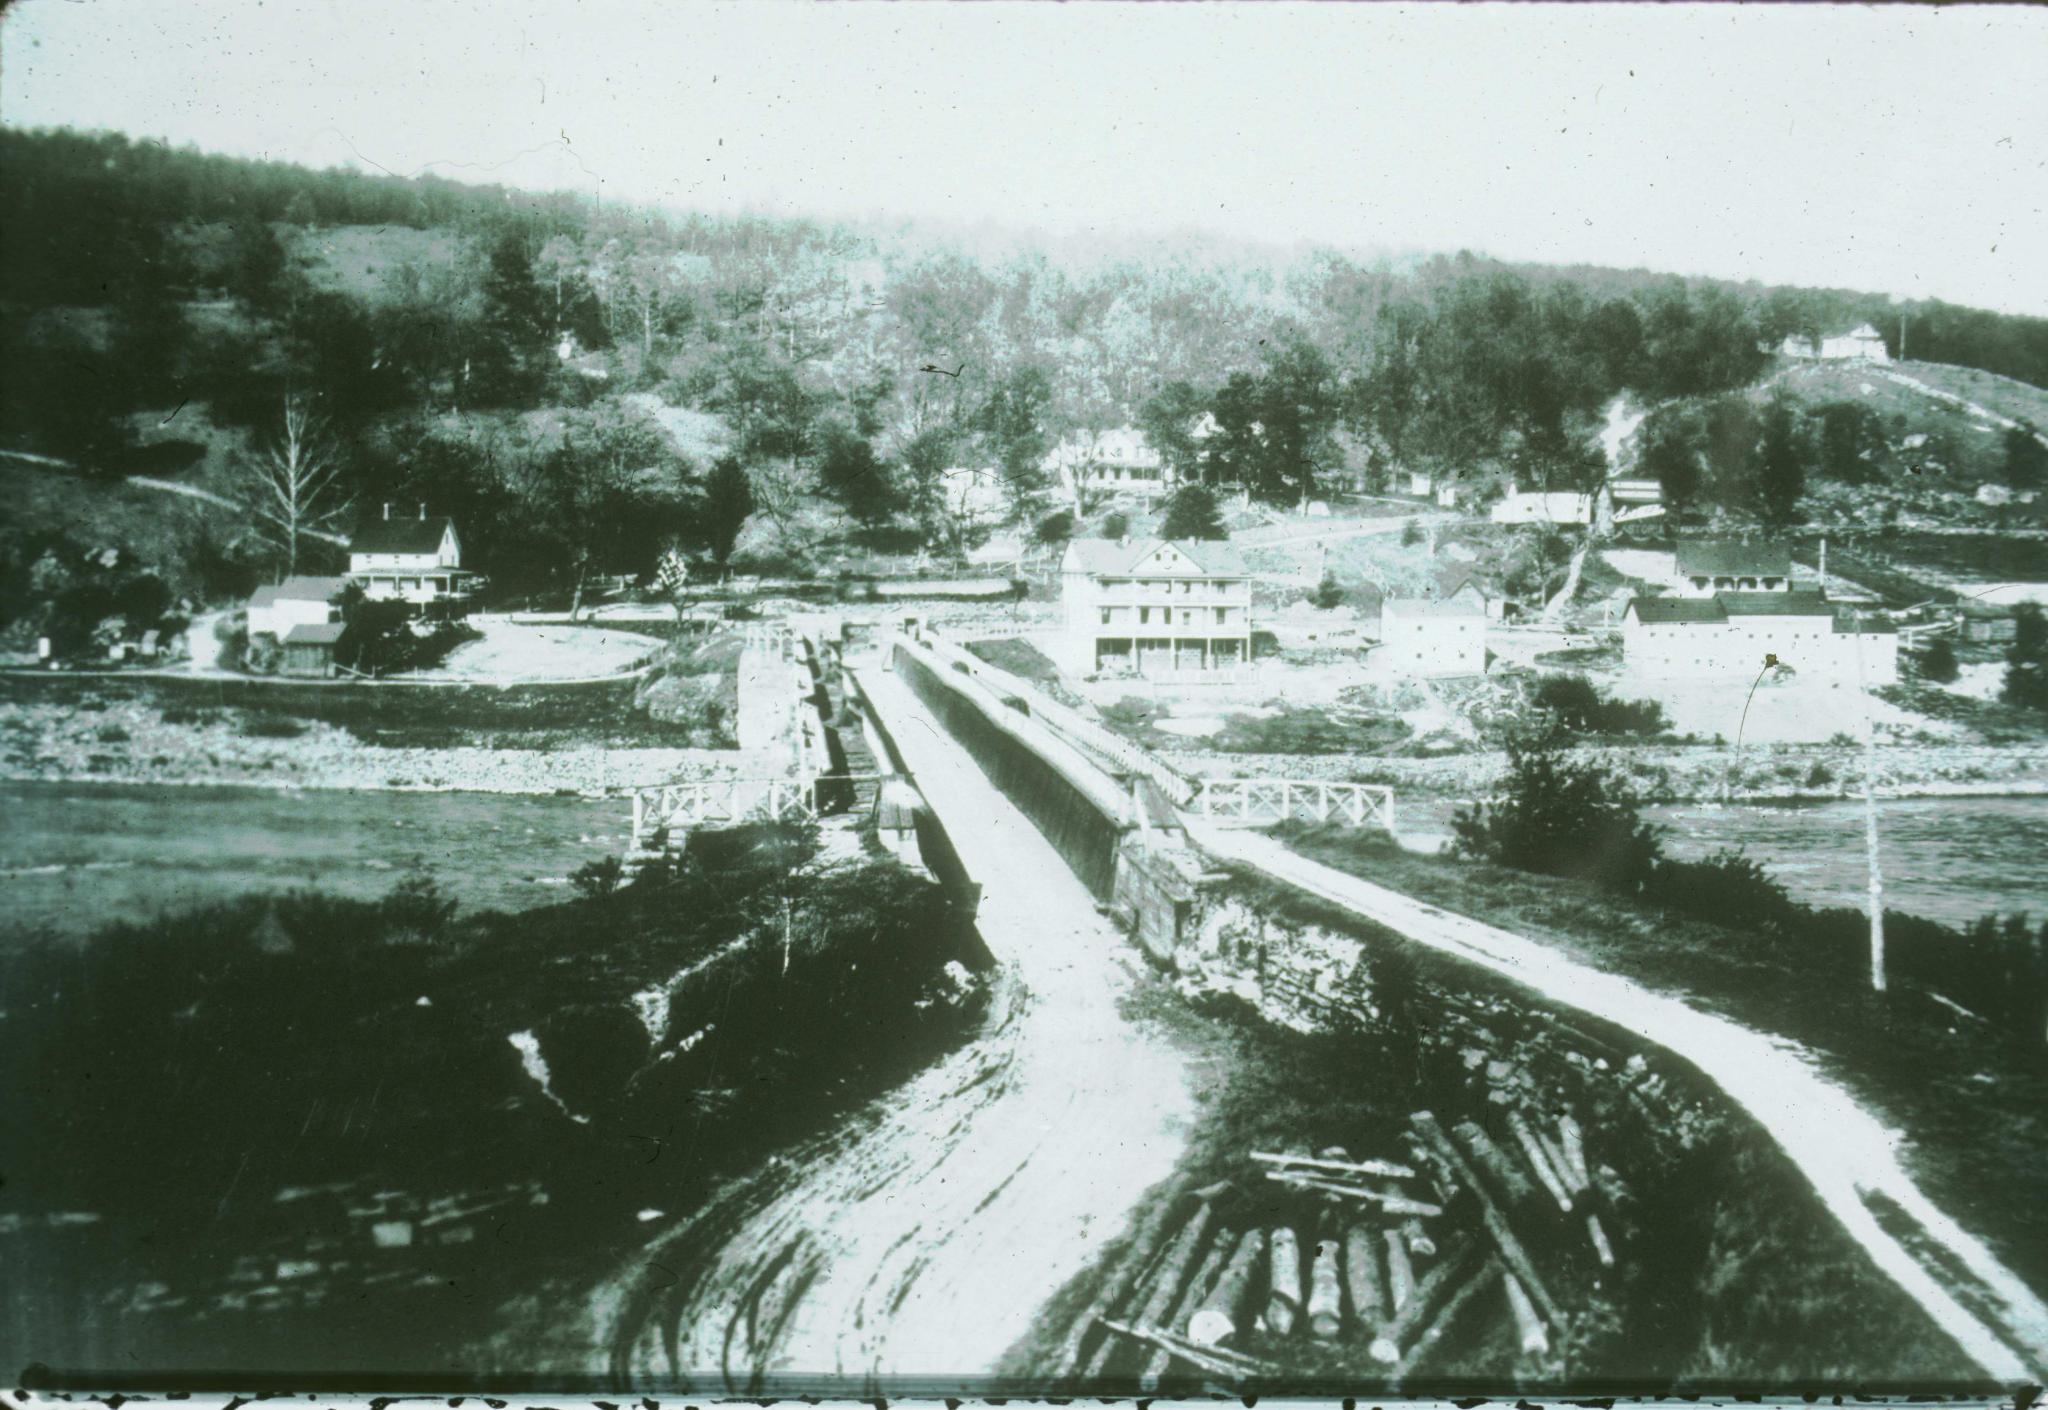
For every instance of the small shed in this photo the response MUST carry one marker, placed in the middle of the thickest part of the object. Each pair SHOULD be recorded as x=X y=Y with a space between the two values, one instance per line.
x=309 y=648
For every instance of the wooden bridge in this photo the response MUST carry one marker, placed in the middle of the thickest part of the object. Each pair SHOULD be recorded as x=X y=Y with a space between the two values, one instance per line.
x=723 y=802
x=1257 y=802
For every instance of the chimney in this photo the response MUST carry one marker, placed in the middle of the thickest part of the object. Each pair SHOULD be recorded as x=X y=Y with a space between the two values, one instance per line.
x=387 y=509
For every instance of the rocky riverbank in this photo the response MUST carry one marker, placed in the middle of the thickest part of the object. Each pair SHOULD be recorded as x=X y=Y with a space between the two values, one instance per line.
x=132 y=741
x=1683 y=773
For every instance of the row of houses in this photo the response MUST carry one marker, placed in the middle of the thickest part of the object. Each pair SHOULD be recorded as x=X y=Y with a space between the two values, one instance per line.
x=1175 y=609
x=415 y=559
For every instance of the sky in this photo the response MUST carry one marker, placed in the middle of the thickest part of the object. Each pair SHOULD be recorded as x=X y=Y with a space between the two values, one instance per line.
x=1900 y=149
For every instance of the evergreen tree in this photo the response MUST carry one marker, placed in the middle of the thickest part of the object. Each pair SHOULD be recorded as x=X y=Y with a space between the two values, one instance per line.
x=2026 y=660
x=1780 y=475
x=1191 y=513
x=728 y=500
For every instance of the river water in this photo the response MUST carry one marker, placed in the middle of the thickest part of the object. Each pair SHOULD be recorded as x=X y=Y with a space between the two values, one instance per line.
x=1949 y=859
x=76 y=856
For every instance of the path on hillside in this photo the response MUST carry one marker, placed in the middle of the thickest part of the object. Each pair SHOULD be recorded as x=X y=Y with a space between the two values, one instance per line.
x=1841 y=1149
x=1912 y=383
x=925 y=1235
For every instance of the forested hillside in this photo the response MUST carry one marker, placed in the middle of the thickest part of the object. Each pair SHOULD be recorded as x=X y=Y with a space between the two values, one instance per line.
x=585 y=388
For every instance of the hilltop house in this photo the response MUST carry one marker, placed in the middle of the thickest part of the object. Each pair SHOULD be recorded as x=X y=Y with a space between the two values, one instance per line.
x=1119 y=461
x=1704 y=567
x=1542 y=507
x=1434 y=636
x=295 y=602
x=416 y=559
x=1152 y=607
x=1731 y=634
x=1862 y=343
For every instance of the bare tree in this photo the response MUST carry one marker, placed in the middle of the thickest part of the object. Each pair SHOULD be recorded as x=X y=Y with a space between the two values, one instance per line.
x=292 y=489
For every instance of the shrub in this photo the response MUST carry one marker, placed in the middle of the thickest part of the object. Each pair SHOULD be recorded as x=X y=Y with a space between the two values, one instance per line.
x=1938 y=662
x=417 y=908
x=1328 y=593
x=1411 y=534
x=1578 y=707
x=1115 y=524
x=598 y=878
x=112 y=734
x=1728 y=888
x=1560 y=816
x=272 y=727
x=1056 y=527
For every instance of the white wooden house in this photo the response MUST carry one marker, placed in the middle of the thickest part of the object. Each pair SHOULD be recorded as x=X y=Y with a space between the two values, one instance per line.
x=1154 y=607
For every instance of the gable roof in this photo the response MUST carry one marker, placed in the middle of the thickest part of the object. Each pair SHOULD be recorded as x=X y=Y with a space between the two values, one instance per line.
x=1683 y=611
x=401 y=535
x=1802 y=602
x=303 y=588
x=315 y=634
x=1108 y=558
x=1430 y=607
x=1721 y=558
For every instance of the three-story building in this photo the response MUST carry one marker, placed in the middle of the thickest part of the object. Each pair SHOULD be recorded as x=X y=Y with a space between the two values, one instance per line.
x=1155 y=608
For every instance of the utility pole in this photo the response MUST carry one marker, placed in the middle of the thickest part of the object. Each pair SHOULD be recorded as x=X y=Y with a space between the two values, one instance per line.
x=1902 y=335
x=1876 y=874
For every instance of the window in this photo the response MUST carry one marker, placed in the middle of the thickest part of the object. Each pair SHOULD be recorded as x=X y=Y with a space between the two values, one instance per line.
x=1144 y=616
x=1105 y=616
x=1222 y=615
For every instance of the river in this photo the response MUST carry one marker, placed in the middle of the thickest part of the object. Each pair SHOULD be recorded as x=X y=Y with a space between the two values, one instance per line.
x=1949 y=859
x=77 y=856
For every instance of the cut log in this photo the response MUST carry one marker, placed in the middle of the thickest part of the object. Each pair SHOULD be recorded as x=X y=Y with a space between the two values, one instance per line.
x=1226 y=1309
x=1400 y=1272
x=1572 y=1141
x=1528 y=1326
x=1362 y=1276
x=1507 y=1176
x=1603 y=1249
x=1427 y=1298
x=1325 y=1292
x=1539 y=1162
x=1127 y=1288
x=1183 y=1308
x=1209 y=1194
x=1165 y=1285
x=1393 y=1204
x=1419 y=1242
x=1349 y=1167
x=1283 y=1281
x=1215 y=1361
x=1497 y=1227
x=1432 y=1333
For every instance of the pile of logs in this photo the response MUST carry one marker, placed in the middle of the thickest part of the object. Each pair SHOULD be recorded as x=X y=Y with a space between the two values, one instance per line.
x=1306 y=1268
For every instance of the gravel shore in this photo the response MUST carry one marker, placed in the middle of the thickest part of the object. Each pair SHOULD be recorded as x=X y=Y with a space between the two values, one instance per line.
x=1682 y=773
x=131 y=742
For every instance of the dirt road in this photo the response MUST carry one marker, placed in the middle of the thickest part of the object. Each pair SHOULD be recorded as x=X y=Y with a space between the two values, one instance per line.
x=911 y=1247
x=1850 y=1159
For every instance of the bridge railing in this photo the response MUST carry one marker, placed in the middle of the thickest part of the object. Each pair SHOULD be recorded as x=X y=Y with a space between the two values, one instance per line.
x=716 y=802
x=1257 y=801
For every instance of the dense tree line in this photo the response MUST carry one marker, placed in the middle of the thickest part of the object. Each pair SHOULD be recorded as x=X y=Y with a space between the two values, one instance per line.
x=516 y=370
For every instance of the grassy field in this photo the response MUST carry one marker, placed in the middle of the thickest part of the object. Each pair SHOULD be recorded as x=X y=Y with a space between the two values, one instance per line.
x=1973 y=1101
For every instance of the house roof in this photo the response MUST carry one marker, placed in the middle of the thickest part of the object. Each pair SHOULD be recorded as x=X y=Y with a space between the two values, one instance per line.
x=1720 y=558
x=1452 y=581
x=1683 y=611
x=1109 y=558
x=303 y=588
x=1846 y=625
x=1805 y=602
x=315 y=634
x=401 y=535
x=1429 y=607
